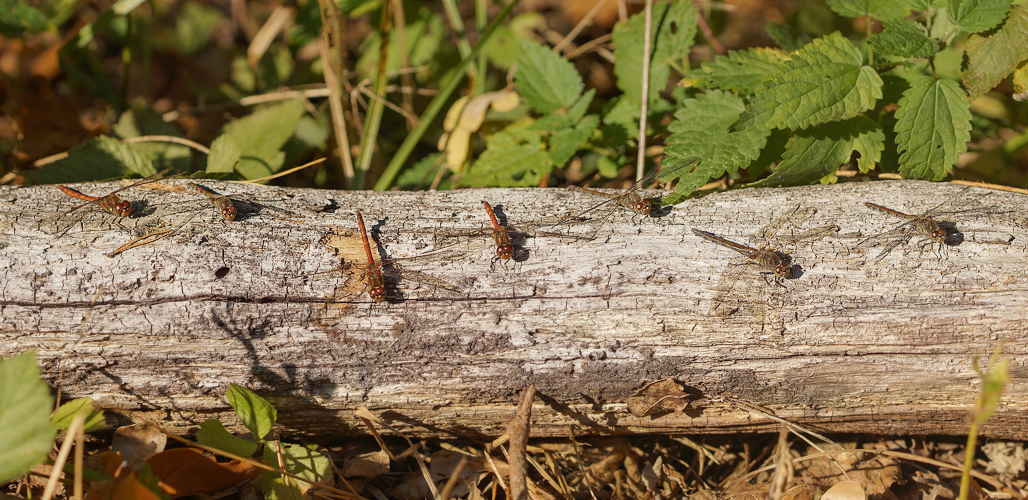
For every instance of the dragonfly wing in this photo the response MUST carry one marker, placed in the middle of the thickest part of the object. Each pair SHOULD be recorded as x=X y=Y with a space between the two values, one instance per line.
x=730 y=297
x=788 y=222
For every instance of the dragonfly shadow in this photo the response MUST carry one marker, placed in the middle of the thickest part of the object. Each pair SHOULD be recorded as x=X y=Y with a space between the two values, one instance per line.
x=953 y=235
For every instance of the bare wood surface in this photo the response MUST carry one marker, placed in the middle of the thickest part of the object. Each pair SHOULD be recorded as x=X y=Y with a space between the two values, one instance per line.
x=850 y=345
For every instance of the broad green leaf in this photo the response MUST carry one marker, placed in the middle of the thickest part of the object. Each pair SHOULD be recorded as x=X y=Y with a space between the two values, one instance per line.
x=212 y=433
x=673 y=31
x=812 y=154
x=100 y=158
x=225 y=153
x=933 y=124
x=869 y=142
x=25 y=429
x=925 y=4
x=824 y=81
x=975 y=16
x=419 y=176
x=196 y=21
x=787 y=37
x=621 y=113
x=580 y=106
x=993 y=58
x=298 y=460
x=18 y=16
x=262 y=135
x=545 y=80
x=94 y=417
x=879 y=9
x=903 y=38
x=502 y=48
x=162 y=155
x=702 y=130
x=254 y=411
x=511 y=166
x=565 y=143
x=741 y=71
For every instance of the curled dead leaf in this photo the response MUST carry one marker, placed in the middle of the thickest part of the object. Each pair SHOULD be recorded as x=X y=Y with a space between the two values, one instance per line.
x=658 y=397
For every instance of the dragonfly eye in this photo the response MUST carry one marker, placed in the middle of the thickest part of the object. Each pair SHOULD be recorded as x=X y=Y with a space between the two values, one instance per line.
x=123 y=209
x=229 y=213
x=378 y=294
x=643 y=207
x=783 y=269
x=505 y=252
x=939 y=234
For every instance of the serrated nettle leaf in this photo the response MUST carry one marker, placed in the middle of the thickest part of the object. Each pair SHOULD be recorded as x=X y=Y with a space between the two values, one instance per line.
x=702 y=129
x=100 y=158
x=565 y=143
x=879 y=9
x=975 y=16
x=933 y=124
x=993 y=58
x=545 y=80
x=225 y=153
x=254 y=411
x=869 y=142
x=25 y=429
x=923 y=5
x=621 y=112
x=904 y=38
x=741 y=71
x=581 y=105
x=813 y=153
x=673 y=30
x=261 y=136
x=824 y=81
x=788 y=38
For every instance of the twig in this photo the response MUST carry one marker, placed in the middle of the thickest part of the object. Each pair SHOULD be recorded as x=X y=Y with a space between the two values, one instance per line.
x=282 y=173
x=580 y=26
x=519 y=429
x=644 y=98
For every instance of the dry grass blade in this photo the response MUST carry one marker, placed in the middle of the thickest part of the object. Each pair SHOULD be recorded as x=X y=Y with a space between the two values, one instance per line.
x=368 y=417
x=454 y=477
x=519 y=429
x=782 y=479
x=76 y=427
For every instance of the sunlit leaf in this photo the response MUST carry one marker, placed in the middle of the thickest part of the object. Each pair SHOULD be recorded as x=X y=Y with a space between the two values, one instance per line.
x=673 y=31
x=975 y=16
x=25 y=429
x=254 y=411
x=94 y=417
x=933 y=124
x=545 y=80
x=903 y=38
x=212 y=433
x=261 y=136
x=990 y=59
x=741 y=71
x=879 y=9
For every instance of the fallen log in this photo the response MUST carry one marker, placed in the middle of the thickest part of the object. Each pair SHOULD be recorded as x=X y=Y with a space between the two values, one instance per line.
x=589 y=312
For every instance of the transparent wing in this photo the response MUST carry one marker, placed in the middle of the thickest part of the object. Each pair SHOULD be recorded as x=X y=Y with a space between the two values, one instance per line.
x=787 y=223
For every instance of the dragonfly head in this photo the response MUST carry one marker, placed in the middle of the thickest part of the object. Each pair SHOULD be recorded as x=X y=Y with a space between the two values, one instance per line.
x=229 y=213
x=938 y=235
x=123 y=209
x=783 y=269
x=642 y=207
x=505 y=251
x=377 y=293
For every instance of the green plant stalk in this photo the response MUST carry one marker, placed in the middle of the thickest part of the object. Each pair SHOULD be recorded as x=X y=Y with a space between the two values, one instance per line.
x=373 y=120
x=450 y=6
x=994 y=379
x=481 y=21
x=965 y=476
x=437 y=104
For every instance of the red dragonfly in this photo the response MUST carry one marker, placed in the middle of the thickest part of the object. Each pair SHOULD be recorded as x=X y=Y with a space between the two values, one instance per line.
x=376 y=284
x=223 y=204
x=501 y=237
x=110 y=203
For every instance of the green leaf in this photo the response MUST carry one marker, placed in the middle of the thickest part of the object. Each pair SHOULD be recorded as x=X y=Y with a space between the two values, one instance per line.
x=94 y=417
x=262 y=135
x=869 y=142
x=194 y=26
x=674 y=28
x=993 y=58
x=975 y=16
x=622 y=114
x=903 y=38
x=298 y=460
x=546 y=80
x=741 y=71
x=100 y=158
x=702 y=129
x=933 y=124
x=17 y=17
x=565 y=143
x=356 y=8
x=25 y=404
x=813 y=153
x=823 y=82
x=427 y=46
x=420 y=175
x=225 y=153
x=925 y=4
x=787 y=37
x=580 y=106
x=254 y=411
x=212 y=433
x=879 y=9
x=511 y=166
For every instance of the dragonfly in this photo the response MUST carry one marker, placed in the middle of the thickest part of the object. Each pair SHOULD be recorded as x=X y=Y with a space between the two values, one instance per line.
x=109 y=203
x=763 y=254
x=629 y=199
x=226 y=206
x=223 y=204
x=501 y=237
x=926 y=224
x=376 y=283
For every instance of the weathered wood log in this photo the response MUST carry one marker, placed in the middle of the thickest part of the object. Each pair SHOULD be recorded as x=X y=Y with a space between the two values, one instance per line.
x=847 y=344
